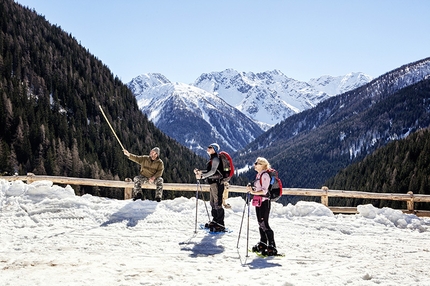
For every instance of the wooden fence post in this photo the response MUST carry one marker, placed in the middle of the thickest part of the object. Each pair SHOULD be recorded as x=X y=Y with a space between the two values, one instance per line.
x=410 y=203
x=29 y=178
x=128 y=192
x=324 y=198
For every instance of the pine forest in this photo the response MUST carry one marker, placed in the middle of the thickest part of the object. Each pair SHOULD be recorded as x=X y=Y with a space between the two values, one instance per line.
x=51 y=89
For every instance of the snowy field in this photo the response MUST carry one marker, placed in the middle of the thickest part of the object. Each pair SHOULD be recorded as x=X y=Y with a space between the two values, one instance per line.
x=49 y=236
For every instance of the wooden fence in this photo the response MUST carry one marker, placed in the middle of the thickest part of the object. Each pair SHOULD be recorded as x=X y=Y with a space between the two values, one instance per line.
x=323 y=193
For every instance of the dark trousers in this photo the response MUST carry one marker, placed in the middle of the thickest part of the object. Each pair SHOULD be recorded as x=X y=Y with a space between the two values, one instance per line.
x=266 y=233
x=216 y=192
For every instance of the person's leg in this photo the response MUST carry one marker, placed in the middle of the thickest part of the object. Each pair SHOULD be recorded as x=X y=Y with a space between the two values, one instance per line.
x=262 y=244
x=212 y=196
x=213 y=190
x=137 y=189
x=271 y=246
x=220 y=210
x=159 y=189
x=220 y=217
x=217 y=212
x=268 y=230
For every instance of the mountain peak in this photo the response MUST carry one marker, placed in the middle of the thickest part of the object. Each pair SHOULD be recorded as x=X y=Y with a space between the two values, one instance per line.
x=333 y=85
x=142 y=82
x=270 y=97
x=230 y=107
x=195 y=117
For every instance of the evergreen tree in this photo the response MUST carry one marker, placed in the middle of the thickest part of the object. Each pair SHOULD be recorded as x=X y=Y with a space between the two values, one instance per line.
x=400 y=167
x=50 y=92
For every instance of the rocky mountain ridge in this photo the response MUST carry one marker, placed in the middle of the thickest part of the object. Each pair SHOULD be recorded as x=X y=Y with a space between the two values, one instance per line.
x=231 y=108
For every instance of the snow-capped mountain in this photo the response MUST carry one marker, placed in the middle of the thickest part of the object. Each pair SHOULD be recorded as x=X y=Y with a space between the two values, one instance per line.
x=270 y=97
x=310 y=147
x=229 y=107
x=340 y=84
x=192 y=116
x=139 y=85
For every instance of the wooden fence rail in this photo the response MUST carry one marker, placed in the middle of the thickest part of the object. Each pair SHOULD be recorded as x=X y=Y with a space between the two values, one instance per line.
x=323 y=193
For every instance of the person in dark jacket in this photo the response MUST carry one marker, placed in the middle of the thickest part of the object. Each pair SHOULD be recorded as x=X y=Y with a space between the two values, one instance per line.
x=262 y=204
x=214 y=176
x=151 y=170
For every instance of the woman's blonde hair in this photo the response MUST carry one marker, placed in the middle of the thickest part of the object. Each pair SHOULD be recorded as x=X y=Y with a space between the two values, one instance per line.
x=263 y=161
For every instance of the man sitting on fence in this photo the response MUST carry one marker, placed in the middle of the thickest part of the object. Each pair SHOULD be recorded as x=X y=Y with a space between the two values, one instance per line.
x=151 y=170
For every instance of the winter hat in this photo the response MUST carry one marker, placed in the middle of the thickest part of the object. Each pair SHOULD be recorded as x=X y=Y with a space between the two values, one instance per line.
x=156 y=150
x=215 y=146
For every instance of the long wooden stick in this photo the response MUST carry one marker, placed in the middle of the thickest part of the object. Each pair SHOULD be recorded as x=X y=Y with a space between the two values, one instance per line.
x=111 y=127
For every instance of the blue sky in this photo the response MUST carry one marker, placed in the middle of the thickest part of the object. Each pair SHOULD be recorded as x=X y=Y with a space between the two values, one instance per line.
x=304 y=39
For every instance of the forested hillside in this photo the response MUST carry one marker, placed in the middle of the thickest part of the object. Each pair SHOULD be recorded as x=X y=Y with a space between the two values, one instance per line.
x=50 y=91
x=399 y=167
x=310 y=147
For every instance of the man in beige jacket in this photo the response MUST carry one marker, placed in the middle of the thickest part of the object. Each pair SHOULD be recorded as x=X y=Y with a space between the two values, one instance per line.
x=151 y=170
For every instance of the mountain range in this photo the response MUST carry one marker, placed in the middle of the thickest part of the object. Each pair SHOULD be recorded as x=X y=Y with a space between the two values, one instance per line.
x=326 y=133
x=312 y=146
x=229 y=107
x=191 y=115
x=270 y=97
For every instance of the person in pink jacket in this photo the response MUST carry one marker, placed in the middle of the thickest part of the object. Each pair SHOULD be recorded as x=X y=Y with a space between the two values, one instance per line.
x=259 y=189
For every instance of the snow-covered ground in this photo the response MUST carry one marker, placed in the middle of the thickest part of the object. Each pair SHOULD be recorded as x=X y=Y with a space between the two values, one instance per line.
x=49 y=236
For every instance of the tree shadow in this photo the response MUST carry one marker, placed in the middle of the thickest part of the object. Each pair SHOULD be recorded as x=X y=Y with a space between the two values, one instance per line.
x=132 y=213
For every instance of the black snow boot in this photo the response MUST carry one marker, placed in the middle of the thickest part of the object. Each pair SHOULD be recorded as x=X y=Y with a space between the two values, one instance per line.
x=210 y=224
x=259 y=247
x=270 y=251
x=138 y=196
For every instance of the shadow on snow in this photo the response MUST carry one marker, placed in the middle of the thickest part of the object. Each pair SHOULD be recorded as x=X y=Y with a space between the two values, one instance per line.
x=132 y=213
x=205 y=247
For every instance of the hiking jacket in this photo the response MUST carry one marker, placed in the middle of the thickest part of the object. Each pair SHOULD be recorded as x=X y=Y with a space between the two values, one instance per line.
x=264 y=185
x=211 y=173
x=148 y=167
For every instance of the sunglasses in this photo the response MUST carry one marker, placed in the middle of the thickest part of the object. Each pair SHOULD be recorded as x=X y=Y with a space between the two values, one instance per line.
x=256 y=163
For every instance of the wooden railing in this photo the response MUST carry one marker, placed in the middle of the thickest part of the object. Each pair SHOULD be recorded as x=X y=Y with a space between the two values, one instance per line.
x=323 y=193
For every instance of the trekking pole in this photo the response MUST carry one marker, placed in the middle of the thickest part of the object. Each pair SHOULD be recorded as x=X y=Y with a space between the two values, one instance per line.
x=248 y=196
x=243 y=215
x=203 y=198
x=197 y=205
x=111 y=127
